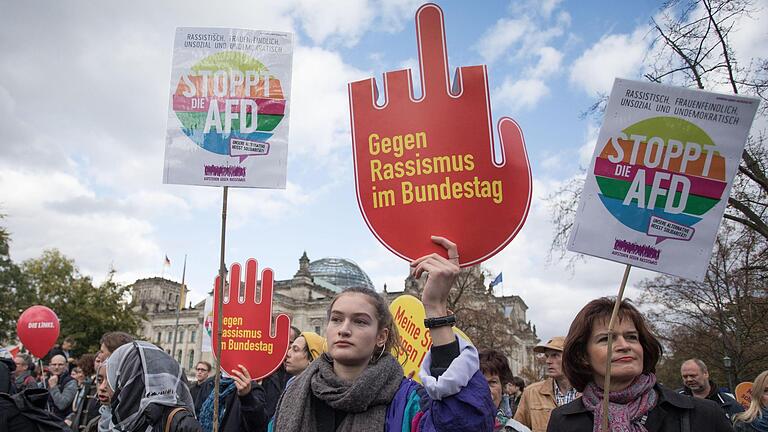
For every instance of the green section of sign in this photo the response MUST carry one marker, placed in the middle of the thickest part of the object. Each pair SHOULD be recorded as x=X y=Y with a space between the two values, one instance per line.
x=669 y=128
x=230 y=60
x=196 y=121
x=618 y=189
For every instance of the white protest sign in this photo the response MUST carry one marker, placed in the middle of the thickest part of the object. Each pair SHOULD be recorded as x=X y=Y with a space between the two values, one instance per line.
x=229 y=108
x=660 y=177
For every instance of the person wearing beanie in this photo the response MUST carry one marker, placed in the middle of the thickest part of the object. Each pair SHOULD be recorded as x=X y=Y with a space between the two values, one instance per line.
x=306 y=348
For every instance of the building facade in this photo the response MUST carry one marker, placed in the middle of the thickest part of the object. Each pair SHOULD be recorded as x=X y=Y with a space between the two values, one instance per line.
x=305 y=298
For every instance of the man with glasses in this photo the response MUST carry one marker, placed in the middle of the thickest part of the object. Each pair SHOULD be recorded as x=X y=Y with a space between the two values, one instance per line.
x=61 y=386
x=203 y=384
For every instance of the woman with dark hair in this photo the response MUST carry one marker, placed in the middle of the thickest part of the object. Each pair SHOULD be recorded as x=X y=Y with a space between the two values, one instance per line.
x=637 y=402
x=359 y=386
x=495 y=368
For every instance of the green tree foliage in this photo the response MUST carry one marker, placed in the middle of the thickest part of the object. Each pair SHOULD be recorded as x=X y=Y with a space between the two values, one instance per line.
x=85 y=311
x=14 y=291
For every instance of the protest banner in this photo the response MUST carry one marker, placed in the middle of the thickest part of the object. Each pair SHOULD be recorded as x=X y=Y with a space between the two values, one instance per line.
x=659 y=181
x=228 y=118
x=38 y=329
x=229 y=108
x=428 y=166
x=247 y=336
x=743 y=394
x=415 y=339
x=660 y=176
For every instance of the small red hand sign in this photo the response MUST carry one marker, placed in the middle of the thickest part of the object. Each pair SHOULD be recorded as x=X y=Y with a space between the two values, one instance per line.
x=248 y=337
x=426 y=167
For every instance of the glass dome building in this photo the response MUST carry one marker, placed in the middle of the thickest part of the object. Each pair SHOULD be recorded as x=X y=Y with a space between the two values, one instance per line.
x=340 y=272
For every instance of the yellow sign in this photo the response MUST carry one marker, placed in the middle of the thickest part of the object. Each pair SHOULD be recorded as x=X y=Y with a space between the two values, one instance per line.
x=415 y=340
x=744 y=394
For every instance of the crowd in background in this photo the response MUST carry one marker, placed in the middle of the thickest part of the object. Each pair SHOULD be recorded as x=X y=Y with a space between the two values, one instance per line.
x=348 y=380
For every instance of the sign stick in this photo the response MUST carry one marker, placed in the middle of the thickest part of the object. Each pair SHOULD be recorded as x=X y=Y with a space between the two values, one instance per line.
x=222 y=283
x=611 y=324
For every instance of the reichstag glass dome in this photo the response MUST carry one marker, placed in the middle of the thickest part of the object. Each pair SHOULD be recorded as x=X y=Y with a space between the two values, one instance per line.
x=340 y=272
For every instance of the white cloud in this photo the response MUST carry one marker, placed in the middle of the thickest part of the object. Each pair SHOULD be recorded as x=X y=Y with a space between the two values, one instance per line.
x=341 y=20
x=38 y=219
x=503 y=35
x=749 y=38
x=588 y=148
x=320 y=107
x=613 y=56
x=266 y=204
x=549 y=62
x=548 y=6
x=520 y=94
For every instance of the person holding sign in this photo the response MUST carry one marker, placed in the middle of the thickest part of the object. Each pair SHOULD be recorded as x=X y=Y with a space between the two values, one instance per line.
x=755 y=418
x=359 y=386
x=637 y=402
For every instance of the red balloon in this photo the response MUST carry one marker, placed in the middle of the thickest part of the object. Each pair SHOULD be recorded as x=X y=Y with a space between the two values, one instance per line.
x=38 y=329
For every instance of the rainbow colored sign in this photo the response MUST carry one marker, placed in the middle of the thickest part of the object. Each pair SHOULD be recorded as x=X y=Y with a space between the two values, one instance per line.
x=660 y=177
x=229 y=102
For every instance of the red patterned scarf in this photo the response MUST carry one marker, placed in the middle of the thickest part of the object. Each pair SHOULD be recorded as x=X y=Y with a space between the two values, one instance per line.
x=627 y=409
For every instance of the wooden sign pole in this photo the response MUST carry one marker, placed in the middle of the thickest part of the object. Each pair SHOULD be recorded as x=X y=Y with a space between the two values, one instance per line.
x=218 y=306
x=611 y=325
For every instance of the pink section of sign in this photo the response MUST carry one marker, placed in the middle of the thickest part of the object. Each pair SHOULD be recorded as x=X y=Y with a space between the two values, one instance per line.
x=700 y=186
x=266 y=105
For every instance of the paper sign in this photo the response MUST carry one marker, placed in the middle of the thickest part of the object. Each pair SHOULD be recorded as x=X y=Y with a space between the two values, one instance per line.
x=229 y=108
x=426 y=166
x=206 y=344
x=660 y=177
x=415 y=339
x=743 y=394
x=248 y=336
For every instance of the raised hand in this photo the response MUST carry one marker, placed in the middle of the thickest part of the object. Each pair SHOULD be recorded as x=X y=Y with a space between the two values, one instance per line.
x=248 y=339
x=442 y=273
x=427 y=166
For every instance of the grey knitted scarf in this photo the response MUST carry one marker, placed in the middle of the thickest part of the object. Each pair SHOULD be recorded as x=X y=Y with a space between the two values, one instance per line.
x=365 y=400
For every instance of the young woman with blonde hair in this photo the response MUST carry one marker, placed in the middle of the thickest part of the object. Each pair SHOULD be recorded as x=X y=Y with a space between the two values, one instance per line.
x=755 y=418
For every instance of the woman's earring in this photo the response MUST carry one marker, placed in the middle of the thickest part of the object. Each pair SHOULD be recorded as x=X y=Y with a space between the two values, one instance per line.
x=383 y=347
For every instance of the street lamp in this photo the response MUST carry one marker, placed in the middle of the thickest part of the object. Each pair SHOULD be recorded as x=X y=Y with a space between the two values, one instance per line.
x=728 y=363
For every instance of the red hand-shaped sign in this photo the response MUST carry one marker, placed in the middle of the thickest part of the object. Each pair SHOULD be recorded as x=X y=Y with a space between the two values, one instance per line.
x=426 y=166
x=248 y=338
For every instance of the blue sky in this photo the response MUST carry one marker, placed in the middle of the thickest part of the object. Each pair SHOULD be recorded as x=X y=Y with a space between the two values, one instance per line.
x=83 y=107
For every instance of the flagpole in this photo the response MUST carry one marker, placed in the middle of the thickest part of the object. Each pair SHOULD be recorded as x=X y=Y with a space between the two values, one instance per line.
x=220 y=313
x=178 y=308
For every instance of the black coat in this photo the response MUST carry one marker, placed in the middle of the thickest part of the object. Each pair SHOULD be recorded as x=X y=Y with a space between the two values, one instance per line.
x=728 y=404
x=7 y=366
x=200 y=392
x=26 y=411
x=245 y=413
x=669 y=415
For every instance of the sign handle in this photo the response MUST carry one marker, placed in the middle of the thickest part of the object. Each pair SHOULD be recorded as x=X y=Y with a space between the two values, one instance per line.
x=218 y=306
x=611 y=324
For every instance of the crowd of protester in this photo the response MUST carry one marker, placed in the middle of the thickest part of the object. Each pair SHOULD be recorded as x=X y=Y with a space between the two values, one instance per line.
x=347 y=380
